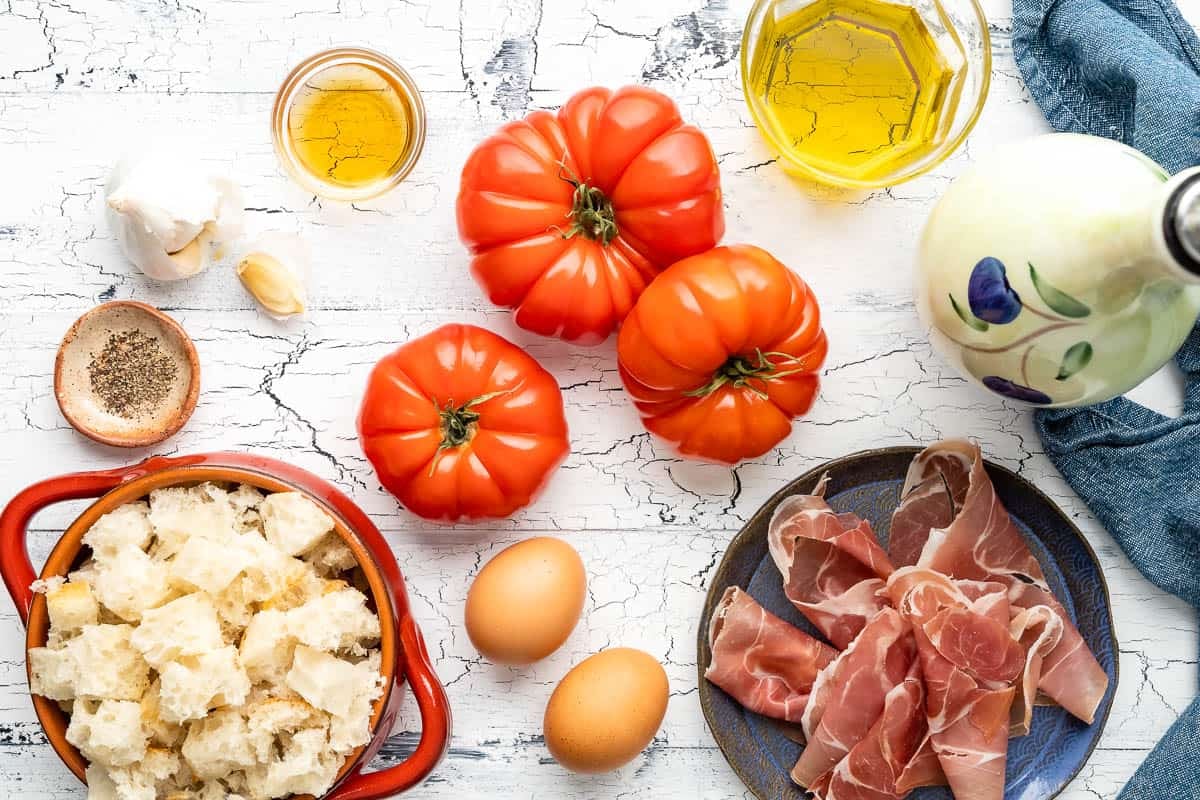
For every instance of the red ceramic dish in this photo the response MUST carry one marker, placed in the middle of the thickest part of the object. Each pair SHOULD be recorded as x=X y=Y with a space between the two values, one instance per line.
x=404 y=656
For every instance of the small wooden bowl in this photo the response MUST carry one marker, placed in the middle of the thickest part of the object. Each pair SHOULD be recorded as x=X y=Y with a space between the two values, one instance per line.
x=79 y=403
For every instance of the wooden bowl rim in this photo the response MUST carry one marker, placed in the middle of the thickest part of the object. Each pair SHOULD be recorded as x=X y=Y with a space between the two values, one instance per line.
x=181 y=336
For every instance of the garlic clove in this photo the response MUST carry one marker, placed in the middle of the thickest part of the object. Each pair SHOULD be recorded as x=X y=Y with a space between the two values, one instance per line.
x=275 y=274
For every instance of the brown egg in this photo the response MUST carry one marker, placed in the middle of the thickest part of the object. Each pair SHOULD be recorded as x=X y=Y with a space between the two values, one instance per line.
x=525 y=602
x=606 y=710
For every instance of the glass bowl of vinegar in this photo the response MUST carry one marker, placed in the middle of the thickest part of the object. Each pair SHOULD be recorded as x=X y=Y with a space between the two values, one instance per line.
x=348 y=123
x=865 y=93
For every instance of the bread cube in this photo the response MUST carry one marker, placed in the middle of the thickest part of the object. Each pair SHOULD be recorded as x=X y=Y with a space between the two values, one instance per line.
x=338 y=620
x=245 y=498
x=111 y=733
x=106 y=663
x=124 y=527
x=71 y=606
x=145 y=779
x=218 y=744
x=52 y=673
x=178 y=513
x=353 y=729
x=269 y=572
x=330 y=556
x=207 y=565
x=266 y=648
x=191 y=686
x=292 y=522
x=99 y=785
x=183 y=627
x=325 y=681
x=129 y=582
x=233 y=609
x=306 y=767
x=162 y=733
x=268 y=717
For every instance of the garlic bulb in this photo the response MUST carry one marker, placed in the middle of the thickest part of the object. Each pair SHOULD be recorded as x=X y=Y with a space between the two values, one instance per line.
x=168 y=211
x=275 y=271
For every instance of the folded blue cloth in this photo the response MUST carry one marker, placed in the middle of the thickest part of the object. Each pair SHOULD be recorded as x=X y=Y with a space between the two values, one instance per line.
x=1130 y=70
x=1140 y=473
x=1124 y=69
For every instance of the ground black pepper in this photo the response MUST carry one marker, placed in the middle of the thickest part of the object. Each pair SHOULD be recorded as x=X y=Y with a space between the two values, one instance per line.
x=132 y=374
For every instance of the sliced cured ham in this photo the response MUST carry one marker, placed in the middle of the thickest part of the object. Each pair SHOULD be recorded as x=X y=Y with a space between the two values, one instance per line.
x=970 y=663
x=927 y=505
x=832 y=565
x=983 y=543
x=1039 y=630
x=849 y=696
x=764 y=663
x=875 y=767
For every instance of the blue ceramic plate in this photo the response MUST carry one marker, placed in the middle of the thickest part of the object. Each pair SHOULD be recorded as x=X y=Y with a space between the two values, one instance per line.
x=869 y=483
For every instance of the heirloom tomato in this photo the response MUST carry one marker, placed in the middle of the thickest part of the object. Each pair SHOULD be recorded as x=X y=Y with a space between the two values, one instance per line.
x=570 y=215
x=462 y=423
x=721 y=352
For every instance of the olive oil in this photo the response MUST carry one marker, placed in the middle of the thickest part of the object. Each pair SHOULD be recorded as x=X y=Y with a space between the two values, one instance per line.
x=350 y=125
x=856 y=89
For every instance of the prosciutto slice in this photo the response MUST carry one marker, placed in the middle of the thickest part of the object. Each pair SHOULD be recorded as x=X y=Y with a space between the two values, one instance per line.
x=983 y=543
x=927 y=505
x=1039 y=630
x=970 y=663
x=832 y=565
x=849 y=696
x=764 y=663
x=875 y=767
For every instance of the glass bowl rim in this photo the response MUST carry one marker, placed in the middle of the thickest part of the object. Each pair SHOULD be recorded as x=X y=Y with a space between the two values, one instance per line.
x=943 y=152
x=349 y=54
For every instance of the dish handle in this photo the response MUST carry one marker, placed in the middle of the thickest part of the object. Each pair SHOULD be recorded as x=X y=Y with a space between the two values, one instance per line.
x=15 y=566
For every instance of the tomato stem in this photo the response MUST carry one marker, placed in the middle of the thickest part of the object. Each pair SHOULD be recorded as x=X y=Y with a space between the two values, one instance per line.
x=459 y=422
x=591 y=211
x=738 y=371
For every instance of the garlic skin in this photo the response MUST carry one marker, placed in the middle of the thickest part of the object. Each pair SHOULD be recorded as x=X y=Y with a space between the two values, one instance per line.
x=168 y=211
x=275 y=271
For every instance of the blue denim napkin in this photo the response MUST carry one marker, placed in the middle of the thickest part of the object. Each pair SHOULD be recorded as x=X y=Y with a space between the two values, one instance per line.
x=1140 y=473
x=1130 y=70
x=1125 y=69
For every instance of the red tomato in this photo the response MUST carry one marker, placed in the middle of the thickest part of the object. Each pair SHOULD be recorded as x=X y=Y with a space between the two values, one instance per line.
x=721 y=352
x=462 y=423
x=570 y=215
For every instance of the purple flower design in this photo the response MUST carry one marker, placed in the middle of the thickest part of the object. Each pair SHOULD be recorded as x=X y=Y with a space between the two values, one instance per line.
x=989 y=295
x=1016 y=391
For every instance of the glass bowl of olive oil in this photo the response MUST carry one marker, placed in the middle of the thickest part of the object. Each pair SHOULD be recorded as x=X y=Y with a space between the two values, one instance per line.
x=348 y=123
x=865 y=93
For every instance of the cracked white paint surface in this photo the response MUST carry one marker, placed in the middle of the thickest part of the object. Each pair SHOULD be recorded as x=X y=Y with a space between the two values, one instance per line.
x=82 y=81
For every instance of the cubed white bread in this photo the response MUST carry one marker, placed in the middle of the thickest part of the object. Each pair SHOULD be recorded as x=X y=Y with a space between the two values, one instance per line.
x=245 y=498
x=47 y=585
x=233 y=609
x=353 y=729
x=122 y=528
x=338 y=620
x=266 y=647
x=218 y=744
x=149 y=778
x=179 y=513
x=304 y=585
x=52 y=673
x=85 y=572
x=111 y=733
x=191 y=686
x=269 y=572
x=330 y=556
x=307 y=767
x=268 y=717
x=99 y=785
x=207 y=565
x=183 y=627
x=129 y=582
x=325 y=681
x=292 y=522
x=106 y=663
x=162 y=733
x=71 y=606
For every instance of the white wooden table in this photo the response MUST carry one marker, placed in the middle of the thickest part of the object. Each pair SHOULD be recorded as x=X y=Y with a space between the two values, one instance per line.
x=82 y=81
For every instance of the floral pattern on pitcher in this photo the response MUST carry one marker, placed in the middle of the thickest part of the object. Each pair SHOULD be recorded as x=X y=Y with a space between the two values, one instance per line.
x=991 y=300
